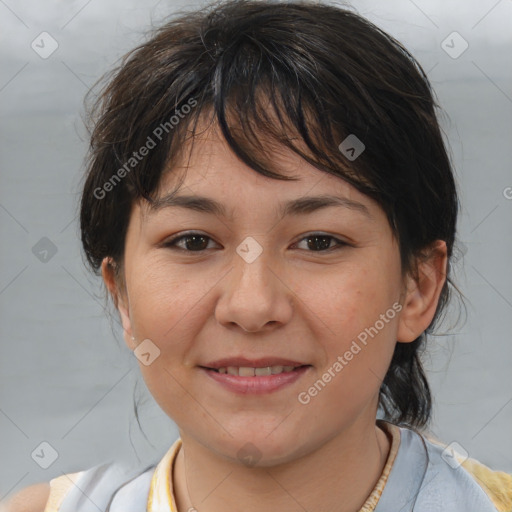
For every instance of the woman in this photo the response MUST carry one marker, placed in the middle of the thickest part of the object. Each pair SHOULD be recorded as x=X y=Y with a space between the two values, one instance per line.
x=272 y=209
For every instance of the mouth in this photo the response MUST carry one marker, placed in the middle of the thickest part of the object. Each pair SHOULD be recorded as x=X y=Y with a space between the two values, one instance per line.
x=250 y=371
x=255 y=380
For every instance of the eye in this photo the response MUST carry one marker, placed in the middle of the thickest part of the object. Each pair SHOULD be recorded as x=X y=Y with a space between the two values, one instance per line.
x=320 y=242
x=193 y=242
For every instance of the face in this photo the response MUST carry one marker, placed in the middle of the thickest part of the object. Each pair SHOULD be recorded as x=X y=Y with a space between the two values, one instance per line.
x=317 y=286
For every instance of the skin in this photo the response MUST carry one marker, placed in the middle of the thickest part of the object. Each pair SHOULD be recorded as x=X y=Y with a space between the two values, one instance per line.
x=29 y=499
x=293 y=301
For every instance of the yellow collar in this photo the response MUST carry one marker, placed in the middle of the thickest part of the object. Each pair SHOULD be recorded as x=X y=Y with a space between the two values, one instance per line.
x=161 y=493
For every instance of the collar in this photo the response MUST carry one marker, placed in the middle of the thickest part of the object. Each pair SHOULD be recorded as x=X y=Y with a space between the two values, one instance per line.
x=161 y=492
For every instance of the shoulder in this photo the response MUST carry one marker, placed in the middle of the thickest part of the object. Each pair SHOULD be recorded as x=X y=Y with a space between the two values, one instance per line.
x=497 y=485
x=116 y=486
x=102 y=484
x=42 y=497
x=30 y=499
x=434 y=478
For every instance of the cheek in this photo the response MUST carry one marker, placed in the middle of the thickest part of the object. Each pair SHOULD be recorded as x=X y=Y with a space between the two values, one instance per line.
x=349 y=300
x=159 y=300
x=356 y=325
x=166 y=307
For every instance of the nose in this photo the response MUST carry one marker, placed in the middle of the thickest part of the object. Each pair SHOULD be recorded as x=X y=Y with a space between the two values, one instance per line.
x=254 y=295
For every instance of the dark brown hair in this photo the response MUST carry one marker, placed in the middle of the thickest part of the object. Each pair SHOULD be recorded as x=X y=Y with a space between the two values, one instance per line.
x=326 y=73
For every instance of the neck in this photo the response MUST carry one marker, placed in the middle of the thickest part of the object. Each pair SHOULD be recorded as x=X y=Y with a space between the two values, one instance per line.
x=337 y=476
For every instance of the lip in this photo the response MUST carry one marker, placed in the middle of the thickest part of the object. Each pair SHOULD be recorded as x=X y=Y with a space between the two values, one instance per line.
x=252 y=363
x=258 y=384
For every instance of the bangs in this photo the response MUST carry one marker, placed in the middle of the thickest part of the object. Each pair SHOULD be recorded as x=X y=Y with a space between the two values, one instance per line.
x=261 y=104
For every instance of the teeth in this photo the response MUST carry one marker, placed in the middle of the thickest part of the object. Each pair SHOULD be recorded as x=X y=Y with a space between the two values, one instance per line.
x=245 y=371
x=263 y=371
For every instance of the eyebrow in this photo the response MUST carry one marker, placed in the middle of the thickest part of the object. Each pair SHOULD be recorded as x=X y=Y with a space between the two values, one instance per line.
x=300 y=206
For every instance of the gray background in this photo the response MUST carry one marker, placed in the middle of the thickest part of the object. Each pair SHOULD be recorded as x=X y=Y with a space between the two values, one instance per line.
x=67 y=379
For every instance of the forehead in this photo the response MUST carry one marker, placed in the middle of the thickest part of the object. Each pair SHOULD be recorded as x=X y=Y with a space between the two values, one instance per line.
x=208 y=168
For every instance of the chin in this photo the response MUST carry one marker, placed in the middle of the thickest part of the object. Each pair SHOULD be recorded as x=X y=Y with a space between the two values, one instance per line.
x=255 y=447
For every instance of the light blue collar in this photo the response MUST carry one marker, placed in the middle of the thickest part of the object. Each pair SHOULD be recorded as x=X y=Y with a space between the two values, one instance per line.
x=421 y=481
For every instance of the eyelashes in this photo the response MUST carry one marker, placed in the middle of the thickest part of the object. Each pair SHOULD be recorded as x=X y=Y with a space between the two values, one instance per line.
x=320 y=241
x=193 y=235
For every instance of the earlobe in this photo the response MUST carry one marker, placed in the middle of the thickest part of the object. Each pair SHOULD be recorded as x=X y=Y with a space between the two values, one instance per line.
x=423 y=292
x=107 y=271
x=127 y=325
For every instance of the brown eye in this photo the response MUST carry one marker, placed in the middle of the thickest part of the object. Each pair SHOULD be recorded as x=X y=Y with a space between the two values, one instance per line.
x=191 y=242
x=320 y=242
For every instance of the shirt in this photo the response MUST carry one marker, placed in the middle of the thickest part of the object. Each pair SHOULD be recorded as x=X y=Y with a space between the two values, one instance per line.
x=420 y=475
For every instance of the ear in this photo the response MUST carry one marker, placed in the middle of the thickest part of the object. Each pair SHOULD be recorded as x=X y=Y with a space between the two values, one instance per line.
x=120 y=299
x=422 y=294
